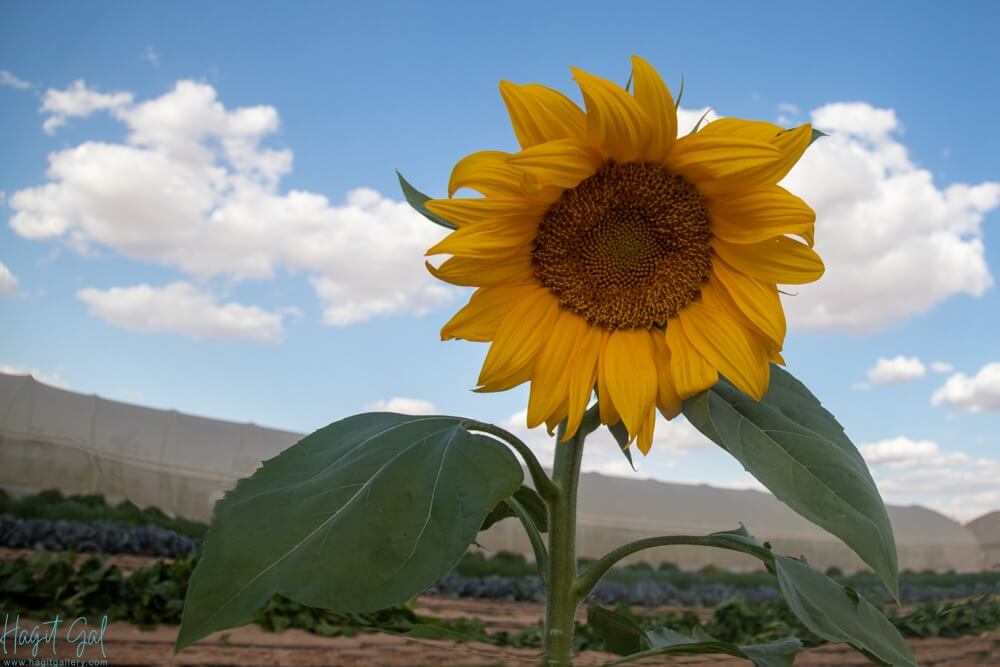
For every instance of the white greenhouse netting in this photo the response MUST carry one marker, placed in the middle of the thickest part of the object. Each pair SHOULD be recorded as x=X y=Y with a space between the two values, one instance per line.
x=56 y=439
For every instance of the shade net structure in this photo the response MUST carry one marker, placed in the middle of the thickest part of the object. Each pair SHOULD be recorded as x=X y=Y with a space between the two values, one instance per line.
x=987 y=529
x=56 y=439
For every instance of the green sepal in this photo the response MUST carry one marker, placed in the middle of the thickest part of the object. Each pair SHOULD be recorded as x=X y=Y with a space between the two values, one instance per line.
x=417 y=199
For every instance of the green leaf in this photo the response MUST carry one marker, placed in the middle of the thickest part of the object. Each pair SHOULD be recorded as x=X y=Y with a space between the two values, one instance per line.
x=416 y=199
x=530 y=500
x=358 y=516
x=798 y=451
x=839 y=614
x=664 y=641
x=621 y=634
x=621 y=436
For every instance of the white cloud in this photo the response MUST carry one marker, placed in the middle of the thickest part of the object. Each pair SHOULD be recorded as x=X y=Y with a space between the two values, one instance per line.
x=671 y=439
x=78 y=101
x=894 y=243
x=8 y=281
x=9 y=80
x=897 y=369
x=403 y=405
x=788 y=108
x=150 y=55
x=182 y=308
x=903 y=452
x=909 y=471
x=980 y=393
x=53 y=379
x=687 y=119
x=193 y=188
x=941 y=367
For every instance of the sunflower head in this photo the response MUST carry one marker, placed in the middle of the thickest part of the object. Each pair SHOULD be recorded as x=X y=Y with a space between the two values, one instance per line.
x=610 y=254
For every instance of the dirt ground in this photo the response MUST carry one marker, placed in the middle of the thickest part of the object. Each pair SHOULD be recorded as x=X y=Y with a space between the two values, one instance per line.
x=126 y=646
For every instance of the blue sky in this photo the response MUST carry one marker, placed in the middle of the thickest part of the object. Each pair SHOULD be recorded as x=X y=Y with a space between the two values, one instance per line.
x=308 y=303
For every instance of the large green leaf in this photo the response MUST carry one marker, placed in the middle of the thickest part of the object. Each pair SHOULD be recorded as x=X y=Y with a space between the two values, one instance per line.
x=840 y=614
x=358 y=516
x=624 y=636
x=797 y=449
x=536 y=508
x=418 y=199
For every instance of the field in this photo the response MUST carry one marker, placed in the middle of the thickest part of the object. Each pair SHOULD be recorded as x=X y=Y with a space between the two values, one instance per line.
x=133 y=566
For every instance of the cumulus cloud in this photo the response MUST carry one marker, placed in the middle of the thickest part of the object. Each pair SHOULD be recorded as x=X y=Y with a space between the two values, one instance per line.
x=78 y=101
x=896 y=369
x=941 y=367
x=53 y=379
x=895 y=244
x=182 y=308
x=194 y=188
x=403 y=405
x=955 y=483
x=980 y=393
x=903 y=452
x=8 y=281
x=10 y=81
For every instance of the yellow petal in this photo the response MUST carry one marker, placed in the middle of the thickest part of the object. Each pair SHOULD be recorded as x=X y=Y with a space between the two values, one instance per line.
x=550 y=379
x=490 y=239
x=582 y=378
x=704 y=158
x=692 y=373
x=614 y=120
x=472 y=272
x=489 y=173
x=481 y=317
x=644 y=438
x=667 y=399
x=791 y=143
x=463 y=212
x=631 y=376
x=758 y=300
x=728 y=346
x=519 y=338
x=778 y=260
x=762 y=214
x=553 y=422
x=563 y=163
x=540 y=114
x=654 y=98
x=609 y=415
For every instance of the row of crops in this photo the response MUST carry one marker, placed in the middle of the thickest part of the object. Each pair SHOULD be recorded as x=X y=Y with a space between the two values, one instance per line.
x=746 y=606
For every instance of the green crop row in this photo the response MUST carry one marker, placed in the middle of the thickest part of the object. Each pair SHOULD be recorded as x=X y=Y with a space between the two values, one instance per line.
x=44 y=585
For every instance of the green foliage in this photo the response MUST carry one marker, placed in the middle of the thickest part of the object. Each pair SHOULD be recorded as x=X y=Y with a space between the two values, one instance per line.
x=536 y=508
x=53 y=506
x=46 y=584
x=417 y=199
x=839 y=614
x=358 y=516
x=500 y=564
x=798 y=451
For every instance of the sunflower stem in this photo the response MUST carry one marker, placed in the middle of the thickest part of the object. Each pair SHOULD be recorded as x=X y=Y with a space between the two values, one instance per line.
x=561 y=602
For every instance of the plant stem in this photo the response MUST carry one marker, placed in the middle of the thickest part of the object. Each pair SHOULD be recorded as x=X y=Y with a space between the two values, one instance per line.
x=561 y=602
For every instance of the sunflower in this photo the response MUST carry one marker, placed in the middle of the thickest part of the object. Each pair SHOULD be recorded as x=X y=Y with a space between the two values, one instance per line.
x=610 y=254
